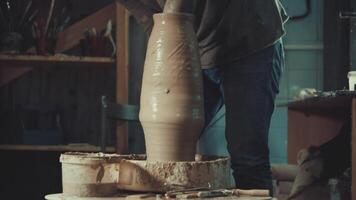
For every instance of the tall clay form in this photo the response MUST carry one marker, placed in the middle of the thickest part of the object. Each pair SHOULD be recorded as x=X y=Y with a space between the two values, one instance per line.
x=172 y=113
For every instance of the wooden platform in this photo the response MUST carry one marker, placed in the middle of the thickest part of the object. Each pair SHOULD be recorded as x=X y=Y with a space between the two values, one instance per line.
x=145 y=196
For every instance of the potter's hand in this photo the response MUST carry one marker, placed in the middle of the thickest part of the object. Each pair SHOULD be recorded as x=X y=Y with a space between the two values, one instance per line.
x=142 y=11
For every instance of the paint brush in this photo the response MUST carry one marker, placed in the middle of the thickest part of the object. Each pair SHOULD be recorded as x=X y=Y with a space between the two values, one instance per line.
x=31 y=17
x=175 y=193
x=64 y=24
x=33 y=30
x=252 y=192
x=22 y=19
x=49 y=16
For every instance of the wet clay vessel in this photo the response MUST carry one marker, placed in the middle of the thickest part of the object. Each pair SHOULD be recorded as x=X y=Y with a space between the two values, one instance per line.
x=172 y=114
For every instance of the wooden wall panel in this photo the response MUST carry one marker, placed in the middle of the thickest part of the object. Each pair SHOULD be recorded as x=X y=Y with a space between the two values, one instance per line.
x=74 y=92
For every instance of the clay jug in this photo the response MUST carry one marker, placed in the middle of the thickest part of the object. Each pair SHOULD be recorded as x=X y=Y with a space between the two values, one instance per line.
x=172 y=112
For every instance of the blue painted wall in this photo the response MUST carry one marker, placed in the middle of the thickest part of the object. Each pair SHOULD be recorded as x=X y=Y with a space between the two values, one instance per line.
x=303 y=45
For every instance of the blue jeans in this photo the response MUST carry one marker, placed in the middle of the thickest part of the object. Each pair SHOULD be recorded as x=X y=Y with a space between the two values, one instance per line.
x=248 y=88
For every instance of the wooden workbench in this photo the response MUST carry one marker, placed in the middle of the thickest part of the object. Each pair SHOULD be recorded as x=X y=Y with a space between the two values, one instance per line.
x=62 y=197
x=316 y=120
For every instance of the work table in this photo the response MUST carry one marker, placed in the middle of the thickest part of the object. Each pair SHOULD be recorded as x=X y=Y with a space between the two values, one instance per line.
x=316 y=120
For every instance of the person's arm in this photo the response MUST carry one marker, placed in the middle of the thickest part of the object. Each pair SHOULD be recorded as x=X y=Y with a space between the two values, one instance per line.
x=144 y=9
x=182 y=6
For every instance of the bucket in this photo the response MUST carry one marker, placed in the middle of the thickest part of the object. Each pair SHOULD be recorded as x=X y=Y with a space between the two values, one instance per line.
x=90 y=174
x=352 y=80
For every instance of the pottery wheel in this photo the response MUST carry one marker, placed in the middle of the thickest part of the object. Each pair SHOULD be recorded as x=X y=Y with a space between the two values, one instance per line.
x=160 y=176
x=92 y=175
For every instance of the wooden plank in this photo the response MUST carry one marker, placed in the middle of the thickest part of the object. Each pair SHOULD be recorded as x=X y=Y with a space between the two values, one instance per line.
x=338 y=103
x=353 y=146
x=58 y=60
x=72 y=35
x=306 y=129
x=144 y=196
x=60 y=148
x=122 y=43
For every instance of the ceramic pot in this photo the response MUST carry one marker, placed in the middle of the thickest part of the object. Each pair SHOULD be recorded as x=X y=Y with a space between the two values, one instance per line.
x=172 y=113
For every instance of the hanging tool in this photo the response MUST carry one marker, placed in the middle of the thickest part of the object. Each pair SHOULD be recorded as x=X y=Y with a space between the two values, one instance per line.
x=109 y=36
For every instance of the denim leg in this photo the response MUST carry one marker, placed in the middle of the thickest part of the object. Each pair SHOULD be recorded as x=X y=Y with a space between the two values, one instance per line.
x=250 y=88
x=213 y=94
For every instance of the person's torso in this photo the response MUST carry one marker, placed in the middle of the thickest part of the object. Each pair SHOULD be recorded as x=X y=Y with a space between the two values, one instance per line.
x=231 y=29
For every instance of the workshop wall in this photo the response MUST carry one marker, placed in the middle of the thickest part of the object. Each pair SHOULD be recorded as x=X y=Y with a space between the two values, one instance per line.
x=304 y=69
x=57 y=105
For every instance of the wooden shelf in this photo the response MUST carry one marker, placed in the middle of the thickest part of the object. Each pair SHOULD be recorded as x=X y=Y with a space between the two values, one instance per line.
x=59 y=148
x=55 y=61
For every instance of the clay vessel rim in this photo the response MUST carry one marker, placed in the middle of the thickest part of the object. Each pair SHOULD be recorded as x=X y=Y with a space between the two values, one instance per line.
x=206 y=159
x=93 y=158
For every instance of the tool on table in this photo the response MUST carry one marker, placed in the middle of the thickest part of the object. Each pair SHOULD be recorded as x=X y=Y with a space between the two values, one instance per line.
x=204 y=193
x=142 y=196
x=175 y=193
